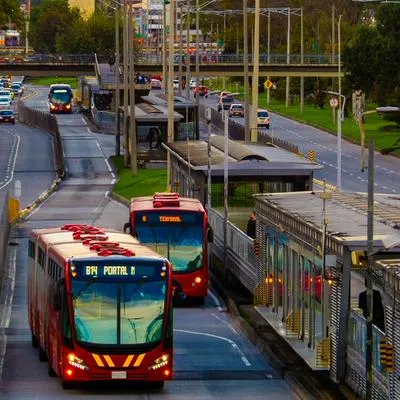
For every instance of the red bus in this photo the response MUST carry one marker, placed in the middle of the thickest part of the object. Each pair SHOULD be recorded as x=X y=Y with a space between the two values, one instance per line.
x=99 y=306
x=60 y=98
x=176 y=228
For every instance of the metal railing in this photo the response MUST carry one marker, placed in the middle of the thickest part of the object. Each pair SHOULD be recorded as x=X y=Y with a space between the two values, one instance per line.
x=156 y=59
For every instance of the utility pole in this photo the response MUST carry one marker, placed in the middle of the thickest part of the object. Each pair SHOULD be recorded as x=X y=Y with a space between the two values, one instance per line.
x=132 y=122
x=164 y=46
x=197 y=52
x=288 y=58
x=117 y=84
x=247 y=137
x=180 y=50
x=170 y=138
x=256 y=50
x=188 y=50
x=370 y=251
x=268 y=51
x=302 y=61
x=340 y=115
x=126 y=68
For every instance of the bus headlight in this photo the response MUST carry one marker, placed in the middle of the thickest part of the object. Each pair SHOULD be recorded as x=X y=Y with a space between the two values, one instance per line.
x=76 y=362
x=68 y=106
x=160 y=362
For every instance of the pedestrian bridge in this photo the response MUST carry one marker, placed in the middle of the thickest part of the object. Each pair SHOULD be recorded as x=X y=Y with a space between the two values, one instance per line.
x=223 y=65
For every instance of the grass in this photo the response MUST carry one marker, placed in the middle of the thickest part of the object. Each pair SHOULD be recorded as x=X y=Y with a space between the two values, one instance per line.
x=47 y=81
x=145 y=183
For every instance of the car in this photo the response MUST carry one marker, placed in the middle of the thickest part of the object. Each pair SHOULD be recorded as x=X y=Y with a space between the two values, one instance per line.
x=18 y=60
x=4 y=60
x=192 y=84
x=7 y=93
x=5 y=102
x=225 y=103
x=156 y=84
x=263 y=118
x=7 y=116
x=236 y=110
x=4 y=82
x=201 y=90
x=176 y=84
x=20 y=84
x=16 y=88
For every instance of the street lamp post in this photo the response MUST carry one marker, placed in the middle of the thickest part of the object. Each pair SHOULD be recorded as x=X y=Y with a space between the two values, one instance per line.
x=256 y=51
x=339 y=136
x=117 y=83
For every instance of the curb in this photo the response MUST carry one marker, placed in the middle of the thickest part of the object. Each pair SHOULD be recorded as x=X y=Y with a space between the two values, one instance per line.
x=25 y=212
x=119 y=199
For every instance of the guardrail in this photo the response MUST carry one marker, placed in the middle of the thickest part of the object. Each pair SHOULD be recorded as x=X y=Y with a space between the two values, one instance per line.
x=48 y=122
x=4 y=237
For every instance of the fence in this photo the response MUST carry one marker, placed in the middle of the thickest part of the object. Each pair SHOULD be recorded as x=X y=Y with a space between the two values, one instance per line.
x=48 y=122
x=4 y=235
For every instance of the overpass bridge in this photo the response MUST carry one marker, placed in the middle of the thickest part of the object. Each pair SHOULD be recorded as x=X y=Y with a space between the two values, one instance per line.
x=223 y=65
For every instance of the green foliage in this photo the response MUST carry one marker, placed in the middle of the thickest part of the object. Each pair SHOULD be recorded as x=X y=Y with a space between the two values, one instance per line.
x=47 y=81
x=145 y=183
x=10 y=12
x=50 y=21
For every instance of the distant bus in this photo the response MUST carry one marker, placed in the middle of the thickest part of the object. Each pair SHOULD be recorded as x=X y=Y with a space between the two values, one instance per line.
x=176 y=228
x=99 y=306
x=60 y=98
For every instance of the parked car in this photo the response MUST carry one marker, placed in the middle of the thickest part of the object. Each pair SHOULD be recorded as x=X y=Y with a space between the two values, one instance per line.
x=236 y=110
x=7 y=116
x=263 y=118
x=225 y=103
x=155 y=84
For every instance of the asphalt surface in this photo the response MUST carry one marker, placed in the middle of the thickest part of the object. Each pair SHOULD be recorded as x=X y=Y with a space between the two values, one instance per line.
x=213 y=360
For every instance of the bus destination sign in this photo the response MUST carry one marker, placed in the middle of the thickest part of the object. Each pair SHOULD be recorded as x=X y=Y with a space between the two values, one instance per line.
x=104 y=271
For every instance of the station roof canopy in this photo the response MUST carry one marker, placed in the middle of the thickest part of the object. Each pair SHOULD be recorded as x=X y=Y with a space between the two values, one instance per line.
x=145 y=112
x=162 y=98
x=242 y=159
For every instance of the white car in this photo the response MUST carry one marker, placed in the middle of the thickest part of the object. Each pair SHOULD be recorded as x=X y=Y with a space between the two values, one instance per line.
x=5 y=102
x=263 y=118
x=156 y=84
x=192 y=84
x=6 y=93
x=176 y=83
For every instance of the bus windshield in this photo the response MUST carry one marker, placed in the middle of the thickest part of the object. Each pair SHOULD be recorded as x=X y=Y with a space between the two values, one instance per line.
x=118 y=304
x=177 y=236
x=60 y=96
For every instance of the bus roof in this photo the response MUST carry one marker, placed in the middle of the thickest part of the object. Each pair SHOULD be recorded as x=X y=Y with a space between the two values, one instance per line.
x=63 y=243
x=185 y=204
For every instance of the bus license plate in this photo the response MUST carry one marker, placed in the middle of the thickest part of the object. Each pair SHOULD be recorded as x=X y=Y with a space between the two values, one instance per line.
x=118 y=374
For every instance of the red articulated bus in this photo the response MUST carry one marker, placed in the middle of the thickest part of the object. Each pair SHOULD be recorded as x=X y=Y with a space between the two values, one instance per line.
x=100 y=306
x=176 y=228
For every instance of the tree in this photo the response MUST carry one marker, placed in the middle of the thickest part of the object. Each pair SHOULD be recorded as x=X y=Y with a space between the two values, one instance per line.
x=10 y=12
x=49 y=21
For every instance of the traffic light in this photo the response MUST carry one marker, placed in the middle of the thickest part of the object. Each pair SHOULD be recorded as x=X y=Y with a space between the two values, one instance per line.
x=256 y=247
x=386 y=355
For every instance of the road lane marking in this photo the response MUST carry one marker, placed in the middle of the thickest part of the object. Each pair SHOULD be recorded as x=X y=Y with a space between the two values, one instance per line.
x=231 y=342
x=12 y=160
x=216 y=300
x=225 y=323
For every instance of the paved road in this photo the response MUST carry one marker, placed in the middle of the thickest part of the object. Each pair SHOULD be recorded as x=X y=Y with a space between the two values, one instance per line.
x=25 y=155
x=212 y=359
x=387 y=168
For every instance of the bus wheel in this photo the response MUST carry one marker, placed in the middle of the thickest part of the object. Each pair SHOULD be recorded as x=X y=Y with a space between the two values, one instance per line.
x=42 y=354
x=158 y=385
x=51 y=371
x=34 y=341
x=67 y=385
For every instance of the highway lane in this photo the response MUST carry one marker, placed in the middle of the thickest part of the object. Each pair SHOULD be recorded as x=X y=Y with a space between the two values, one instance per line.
x=213 y=360
x=25 y=155
x=387 y=168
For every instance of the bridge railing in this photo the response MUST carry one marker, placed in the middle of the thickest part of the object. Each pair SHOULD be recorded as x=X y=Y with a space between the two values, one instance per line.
x=204 y=59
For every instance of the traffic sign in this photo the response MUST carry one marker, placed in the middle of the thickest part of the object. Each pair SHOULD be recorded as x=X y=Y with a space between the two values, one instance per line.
x=268 y=84
x=334 y=102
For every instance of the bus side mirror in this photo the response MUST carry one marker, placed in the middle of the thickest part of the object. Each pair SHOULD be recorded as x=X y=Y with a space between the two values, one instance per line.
x=58 y=294
x=210 y=235
x=127 y=227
